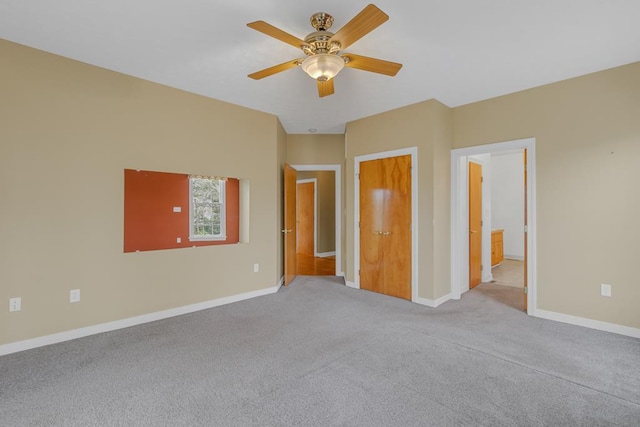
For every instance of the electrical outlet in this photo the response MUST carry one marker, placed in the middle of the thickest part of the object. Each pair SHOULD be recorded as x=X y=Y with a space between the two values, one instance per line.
x=74 y=295
x=605 y=290
x=15 y=304
x=256 y=268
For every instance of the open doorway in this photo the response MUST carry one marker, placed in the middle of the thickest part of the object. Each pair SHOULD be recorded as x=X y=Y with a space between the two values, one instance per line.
x=318 y=220
x=507 y=221
x=508 y=255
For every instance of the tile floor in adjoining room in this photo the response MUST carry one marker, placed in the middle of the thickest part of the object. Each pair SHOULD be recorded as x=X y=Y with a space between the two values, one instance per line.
x=509 y=272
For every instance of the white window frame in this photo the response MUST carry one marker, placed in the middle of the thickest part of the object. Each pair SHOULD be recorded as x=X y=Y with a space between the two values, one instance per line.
x=223 y=213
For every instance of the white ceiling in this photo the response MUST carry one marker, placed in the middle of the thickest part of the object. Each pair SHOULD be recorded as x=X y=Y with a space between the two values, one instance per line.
x=457 y=51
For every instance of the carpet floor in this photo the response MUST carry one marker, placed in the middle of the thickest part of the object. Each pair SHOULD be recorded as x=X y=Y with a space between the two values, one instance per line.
x=319 y=353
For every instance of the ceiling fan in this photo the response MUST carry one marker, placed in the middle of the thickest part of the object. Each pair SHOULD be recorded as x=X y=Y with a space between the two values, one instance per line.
x=322 y=48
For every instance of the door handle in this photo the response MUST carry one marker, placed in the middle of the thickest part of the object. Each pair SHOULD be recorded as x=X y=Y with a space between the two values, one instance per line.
x=386 y=233
x=377 y=232
x=287 y=231
x=472 y=231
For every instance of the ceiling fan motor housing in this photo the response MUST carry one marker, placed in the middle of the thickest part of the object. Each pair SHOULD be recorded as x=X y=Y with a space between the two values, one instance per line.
x=319 y=40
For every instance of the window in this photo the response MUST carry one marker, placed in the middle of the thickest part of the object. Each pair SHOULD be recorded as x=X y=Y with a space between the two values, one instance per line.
x=159 y=208
x=207 y=209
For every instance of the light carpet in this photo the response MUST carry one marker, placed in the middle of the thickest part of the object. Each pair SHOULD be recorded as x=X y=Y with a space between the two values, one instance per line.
x=319 y=353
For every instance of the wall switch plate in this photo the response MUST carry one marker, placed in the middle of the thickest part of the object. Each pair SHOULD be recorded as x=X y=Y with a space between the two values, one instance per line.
x=177 y=209
x=256 y=268
x=74 y=295
x=178 y=240
x=605 y=290
x=15 y=304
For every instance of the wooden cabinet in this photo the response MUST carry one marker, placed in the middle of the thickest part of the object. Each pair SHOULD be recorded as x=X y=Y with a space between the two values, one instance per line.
x=497 y=251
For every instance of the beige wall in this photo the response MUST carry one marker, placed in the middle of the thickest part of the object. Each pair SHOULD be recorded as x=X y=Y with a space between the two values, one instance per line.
x=587 y=133
x=67 y=132
x=426 y=125
x=326 y=215
x=315 y=149
x=442 y=140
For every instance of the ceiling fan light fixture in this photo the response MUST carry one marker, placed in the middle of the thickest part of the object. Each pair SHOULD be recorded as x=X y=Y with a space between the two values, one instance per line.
x=323 y=66
x=322 y=60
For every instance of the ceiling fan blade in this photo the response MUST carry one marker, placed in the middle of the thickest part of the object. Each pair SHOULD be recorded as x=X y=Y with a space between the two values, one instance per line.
x=363 y=23
x=325 y=88
x=372 y=64
x=275 y=69
x=277 y=33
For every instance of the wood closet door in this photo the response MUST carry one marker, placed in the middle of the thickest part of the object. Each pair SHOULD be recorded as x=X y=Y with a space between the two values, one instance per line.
x=372 y=200
x=385 y=226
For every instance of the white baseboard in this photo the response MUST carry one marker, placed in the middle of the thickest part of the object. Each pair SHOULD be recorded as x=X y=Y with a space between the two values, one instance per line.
x=341 y=274
x=588 y=323
x=325 y=254
x=131 y=321
x=417 y=300
x=432 y=303
x=514 y=257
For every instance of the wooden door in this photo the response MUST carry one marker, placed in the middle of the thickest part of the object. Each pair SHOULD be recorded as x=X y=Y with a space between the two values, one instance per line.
x=371 y=225
x=385 y=226
x=475 y=224
x=305 y=213
x=396 y=230
x=526 y=232
x=289 y=230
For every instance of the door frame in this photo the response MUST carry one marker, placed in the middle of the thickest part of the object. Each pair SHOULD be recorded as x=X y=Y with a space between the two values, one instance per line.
x=289 y=209
x=337 y=169
x=460 y=215
x=413 y=152
x=313 y=181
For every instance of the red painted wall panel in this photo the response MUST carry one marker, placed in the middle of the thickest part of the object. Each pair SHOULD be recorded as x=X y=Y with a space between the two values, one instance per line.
x=149 y=220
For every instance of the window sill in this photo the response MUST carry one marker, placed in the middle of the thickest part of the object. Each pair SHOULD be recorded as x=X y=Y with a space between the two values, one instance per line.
x=207 y=239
